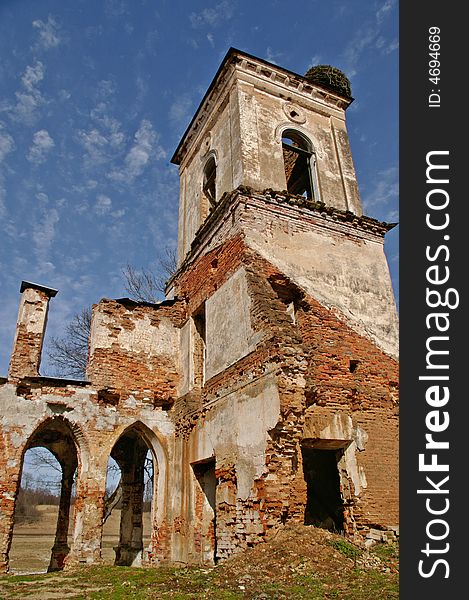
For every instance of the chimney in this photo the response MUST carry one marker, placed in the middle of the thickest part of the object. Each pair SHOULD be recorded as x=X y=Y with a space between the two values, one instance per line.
x=30 y=328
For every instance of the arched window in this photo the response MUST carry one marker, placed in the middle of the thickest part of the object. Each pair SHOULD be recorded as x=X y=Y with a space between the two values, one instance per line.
x=299 y=163
x=209 y=183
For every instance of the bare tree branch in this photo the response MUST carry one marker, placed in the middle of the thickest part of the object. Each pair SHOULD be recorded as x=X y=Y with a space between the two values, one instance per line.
x=145 y=285
x=68 y=354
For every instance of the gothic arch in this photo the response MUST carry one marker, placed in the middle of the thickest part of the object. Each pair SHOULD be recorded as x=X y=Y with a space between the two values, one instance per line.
x=130 y=447
x=76 y=434
x=66 y=442
x=158 y=448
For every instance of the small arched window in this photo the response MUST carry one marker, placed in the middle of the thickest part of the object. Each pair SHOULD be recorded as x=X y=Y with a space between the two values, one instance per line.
x=209 y=183
x=298 y=161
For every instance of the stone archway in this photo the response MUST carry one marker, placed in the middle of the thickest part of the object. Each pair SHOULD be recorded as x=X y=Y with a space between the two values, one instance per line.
x=130 y=452
x=57 y=436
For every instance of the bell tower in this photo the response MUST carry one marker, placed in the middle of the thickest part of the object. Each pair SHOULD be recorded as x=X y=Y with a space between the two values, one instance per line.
x=264 y=127
x=267 y=154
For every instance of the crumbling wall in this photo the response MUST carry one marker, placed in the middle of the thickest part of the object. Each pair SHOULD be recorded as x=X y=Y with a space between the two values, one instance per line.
x=311 y=365
x=94 y=426
x=352 y=394
x=135 y=348
x=229 y=334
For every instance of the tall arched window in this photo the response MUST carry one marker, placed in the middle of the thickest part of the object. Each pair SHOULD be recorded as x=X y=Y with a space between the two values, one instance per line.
x=298 y=159
x=209 y=183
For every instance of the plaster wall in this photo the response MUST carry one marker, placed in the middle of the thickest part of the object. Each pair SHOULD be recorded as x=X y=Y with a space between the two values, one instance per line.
x=229 y=332
x=345 y=272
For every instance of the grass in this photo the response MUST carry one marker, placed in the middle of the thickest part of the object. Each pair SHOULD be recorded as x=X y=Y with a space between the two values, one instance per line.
x=115 y=583
x=297 y=563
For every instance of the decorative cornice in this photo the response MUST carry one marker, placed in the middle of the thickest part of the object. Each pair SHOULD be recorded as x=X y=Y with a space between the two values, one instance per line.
x=261 y=69
x=330 y=216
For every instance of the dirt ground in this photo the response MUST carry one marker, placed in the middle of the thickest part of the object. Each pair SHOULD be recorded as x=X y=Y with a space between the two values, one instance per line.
x=298 y=563
x=32 y=542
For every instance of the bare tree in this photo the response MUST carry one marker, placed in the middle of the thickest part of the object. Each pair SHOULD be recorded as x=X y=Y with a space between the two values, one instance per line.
x=145 y=285
x=68 y=354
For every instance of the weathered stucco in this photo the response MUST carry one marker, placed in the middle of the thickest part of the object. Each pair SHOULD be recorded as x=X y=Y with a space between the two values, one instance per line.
x=229 y=332
x=241 y=123
x=267 y=378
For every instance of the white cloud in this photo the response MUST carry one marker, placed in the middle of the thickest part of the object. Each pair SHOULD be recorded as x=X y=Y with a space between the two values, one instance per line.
x=3 y=208
x=181 y=109
x=48 y=32
x=44 y=235
x=103 y=205
x=7 y=144
x=212 y=17
x=114 y=136
x=315 y=60
x=384 y=10
x=95 y=145
x=145 y=147
x=381 y=201
x=272 y=56
x=115 y=8
x=33 y=75
x=394 y=45
x=28 y=101
x=40 y=148
x=369 y=36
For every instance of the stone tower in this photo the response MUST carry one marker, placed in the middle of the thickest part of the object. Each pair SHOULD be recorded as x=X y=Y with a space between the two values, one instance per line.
x=264 y=387
x=277 y=134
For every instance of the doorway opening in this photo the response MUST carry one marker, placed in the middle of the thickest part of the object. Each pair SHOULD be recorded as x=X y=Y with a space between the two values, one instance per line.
x=205 y=506
x=324 y=503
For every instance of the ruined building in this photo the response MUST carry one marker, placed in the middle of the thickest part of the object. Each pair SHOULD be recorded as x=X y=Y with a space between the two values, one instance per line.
x=265 y=385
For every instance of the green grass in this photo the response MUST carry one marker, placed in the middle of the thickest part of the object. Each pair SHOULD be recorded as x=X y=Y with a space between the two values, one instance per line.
x=115 y=583
x=346 y=548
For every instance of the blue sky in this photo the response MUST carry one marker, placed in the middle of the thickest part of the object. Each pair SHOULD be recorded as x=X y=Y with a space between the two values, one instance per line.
x=95 y=96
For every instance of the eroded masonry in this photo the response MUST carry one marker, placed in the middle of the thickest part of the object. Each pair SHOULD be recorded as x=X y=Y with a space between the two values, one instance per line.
x=265 y=385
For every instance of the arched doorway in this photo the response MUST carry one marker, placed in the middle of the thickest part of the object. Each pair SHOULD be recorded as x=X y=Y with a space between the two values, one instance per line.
x=134 y=494
x=54 y=438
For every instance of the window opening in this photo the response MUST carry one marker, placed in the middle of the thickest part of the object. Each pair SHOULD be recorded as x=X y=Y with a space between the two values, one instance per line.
x=199 y=346
x=298 y=160
x=209 y=184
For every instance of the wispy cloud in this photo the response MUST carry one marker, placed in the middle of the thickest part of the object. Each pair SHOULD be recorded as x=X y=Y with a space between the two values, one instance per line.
x=103 y=205
x=368 y=37
x=43 y=237
x=7 y=143
x=272 y=56
x=144 y=148
x=28 y=99
x=214 y=16
x=115 y=8
x=49 y=32
x=95 y=145
x=382 y=200
x=32 y=76
x=3 y=208
x=384 y=10
x=40 y=148
x=180 y=110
